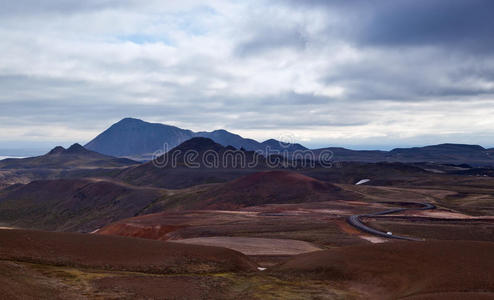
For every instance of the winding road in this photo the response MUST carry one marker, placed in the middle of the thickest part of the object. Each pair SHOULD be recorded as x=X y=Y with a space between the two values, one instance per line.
x=355 y=220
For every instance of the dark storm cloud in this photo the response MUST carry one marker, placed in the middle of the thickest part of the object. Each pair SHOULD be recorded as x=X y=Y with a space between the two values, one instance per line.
x=409 y=77
x=457 y=24
x=422 y=49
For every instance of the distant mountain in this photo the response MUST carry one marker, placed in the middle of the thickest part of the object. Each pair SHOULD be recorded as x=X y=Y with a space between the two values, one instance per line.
x=442 y=154
x=226 y=138
x=136 y=138
x=132 y=137
x=201 y=159
x=198 y=144
x=280 y=146
x=60 y=158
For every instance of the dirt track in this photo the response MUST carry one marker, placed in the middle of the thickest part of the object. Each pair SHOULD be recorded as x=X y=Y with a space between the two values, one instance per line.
x=254 y=246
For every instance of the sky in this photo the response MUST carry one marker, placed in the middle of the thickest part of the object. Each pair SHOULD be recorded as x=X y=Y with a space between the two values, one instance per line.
x=360 y=74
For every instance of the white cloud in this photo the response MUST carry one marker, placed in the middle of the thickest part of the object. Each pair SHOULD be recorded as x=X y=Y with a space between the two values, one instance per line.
x=256 y=68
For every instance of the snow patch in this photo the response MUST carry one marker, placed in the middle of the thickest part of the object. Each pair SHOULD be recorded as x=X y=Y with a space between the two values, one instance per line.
x=362 y=181
x=373 y=239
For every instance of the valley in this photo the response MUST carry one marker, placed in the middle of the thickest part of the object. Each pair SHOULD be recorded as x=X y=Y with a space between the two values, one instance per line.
x=97 y=226
x=247 y=150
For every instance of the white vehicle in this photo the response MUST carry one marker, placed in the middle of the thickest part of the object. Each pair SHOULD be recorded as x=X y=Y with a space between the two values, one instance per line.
x=389 y=233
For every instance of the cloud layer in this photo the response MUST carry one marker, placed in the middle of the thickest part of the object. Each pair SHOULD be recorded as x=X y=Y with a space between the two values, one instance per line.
x=368 y=73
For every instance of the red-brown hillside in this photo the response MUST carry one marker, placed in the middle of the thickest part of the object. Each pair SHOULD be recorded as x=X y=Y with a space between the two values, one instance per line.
x=72 y=204
x=261 y=188
x=117 y=253
x=422 y=270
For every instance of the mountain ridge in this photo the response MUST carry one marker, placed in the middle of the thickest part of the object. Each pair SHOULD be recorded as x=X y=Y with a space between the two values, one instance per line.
x=130 y=137
x=446 y=153
x=76 y=156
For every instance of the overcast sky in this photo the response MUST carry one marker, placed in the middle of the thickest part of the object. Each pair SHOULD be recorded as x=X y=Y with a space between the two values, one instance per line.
x=362 y=74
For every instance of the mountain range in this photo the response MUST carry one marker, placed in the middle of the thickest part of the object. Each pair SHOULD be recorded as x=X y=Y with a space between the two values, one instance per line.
x=76 y=156
x=474 y=155
x=176 y=169
x=134 y=137
x=138 y=140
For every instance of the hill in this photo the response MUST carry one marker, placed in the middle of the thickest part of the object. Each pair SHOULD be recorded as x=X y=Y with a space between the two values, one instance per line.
x=49 y=265
x=281 y=146
x=267 y=187
x=176 y=169
x=72 y=204
x=196 y=161
x=117 y=253
x=134 y=137
x=444 y=153
x=393 y=270
x=440 y=154
x=75 y=156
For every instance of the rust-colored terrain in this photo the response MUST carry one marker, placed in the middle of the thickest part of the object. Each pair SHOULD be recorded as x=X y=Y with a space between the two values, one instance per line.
x=267 y=187
x=233 y=233
x=38 y=264
x=411 y=270
x=81 y=205
x=119 y=253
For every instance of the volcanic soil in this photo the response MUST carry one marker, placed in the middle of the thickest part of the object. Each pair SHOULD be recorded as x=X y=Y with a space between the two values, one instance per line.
x=411 y=270
x=117 y=253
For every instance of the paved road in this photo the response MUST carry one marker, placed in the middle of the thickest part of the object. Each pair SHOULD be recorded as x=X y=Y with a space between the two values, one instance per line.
x=355 y=220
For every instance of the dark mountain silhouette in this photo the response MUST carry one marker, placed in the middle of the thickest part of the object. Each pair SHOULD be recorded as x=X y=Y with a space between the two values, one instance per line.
x=132 y=137
x=177 y=169
x=195 y=161
x=281 y=146
x=77 y=149
x=199 y=144
x=226 y=138
x=441 y=154
x=57 y=150
x=75 y=156
x=210 y=154
x=137 y=138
